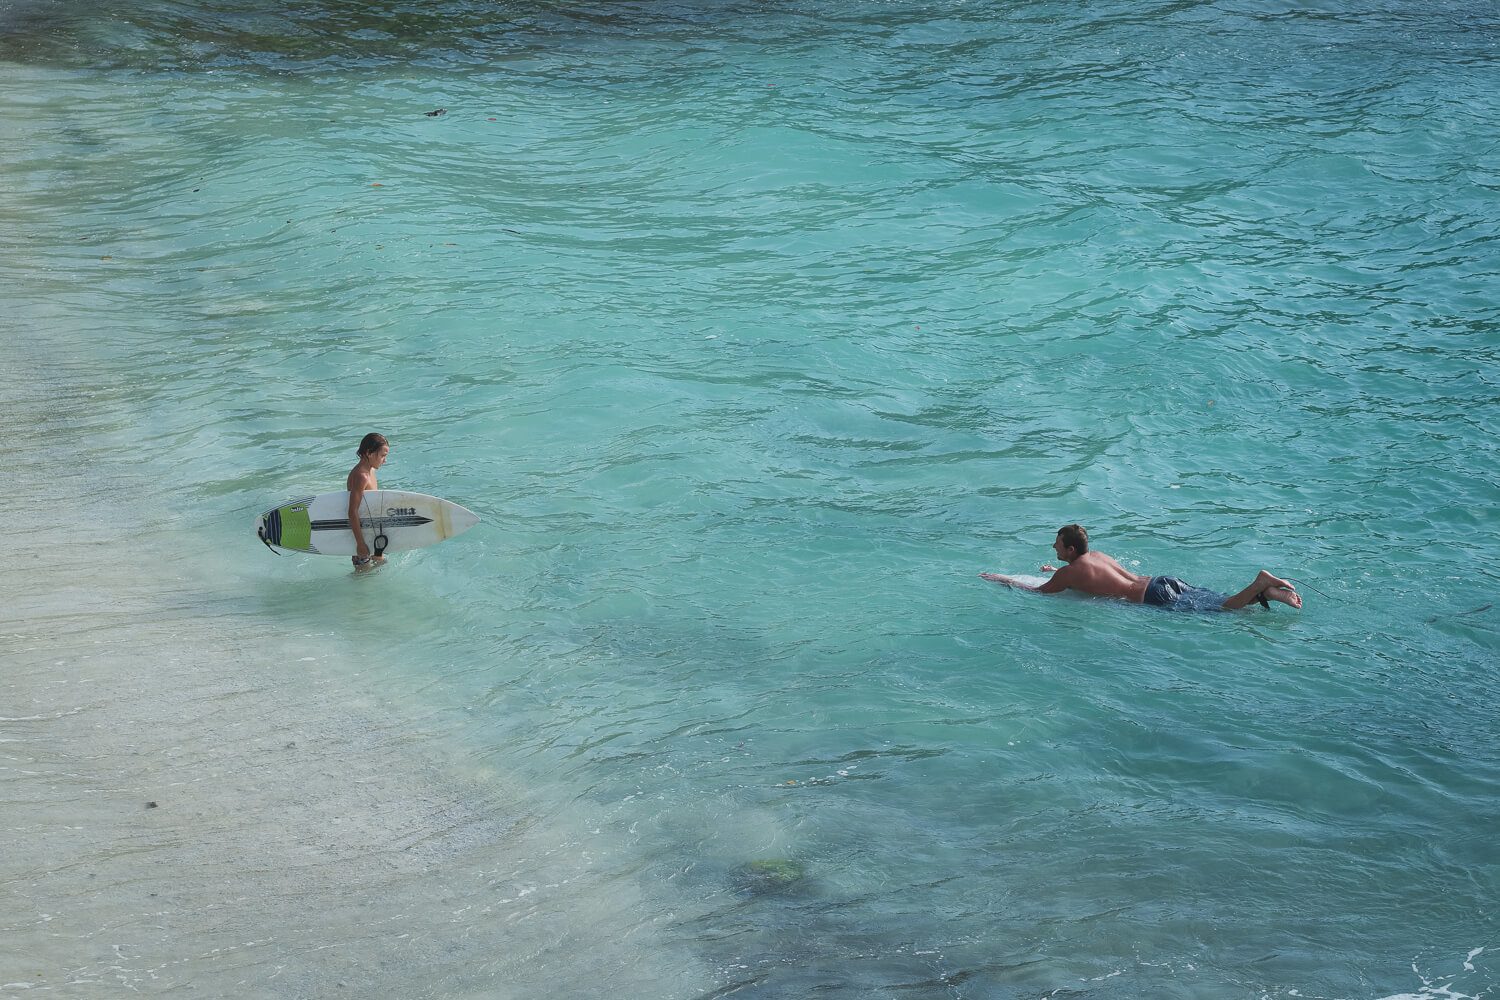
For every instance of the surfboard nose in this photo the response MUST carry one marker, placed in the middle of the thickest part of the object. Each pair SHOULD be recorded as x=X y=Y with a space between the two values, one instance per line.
x=462 y=519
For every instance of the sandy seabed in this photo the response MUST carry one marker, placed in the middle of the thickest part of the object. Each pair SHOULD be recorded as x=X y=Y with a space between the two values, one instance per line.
x=194 y=803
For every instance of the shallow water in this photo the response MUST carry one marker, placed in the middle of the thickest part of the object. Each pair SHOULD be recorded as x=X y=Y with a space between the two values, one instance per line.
x=754 y=334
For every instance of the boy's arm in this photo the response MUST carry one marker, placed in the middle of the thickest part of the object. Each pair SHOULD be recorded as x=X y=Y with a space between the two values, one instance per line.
x=356 y=494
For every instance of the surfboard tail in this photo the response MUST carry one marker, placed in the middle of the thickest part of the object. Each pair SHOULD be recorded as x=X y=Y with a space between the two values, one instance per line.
x=288 y=527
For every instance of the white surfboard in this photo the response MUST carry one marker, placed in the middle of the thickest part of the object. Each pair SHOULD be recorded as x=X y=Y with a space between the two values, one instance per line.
x=391 y=521
x=1021 y=579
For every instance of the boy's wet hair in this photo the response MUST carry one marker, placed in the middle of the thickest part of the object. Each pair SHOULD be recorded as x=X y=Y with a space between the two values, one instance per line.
x=372 y=442
x=1074 y=537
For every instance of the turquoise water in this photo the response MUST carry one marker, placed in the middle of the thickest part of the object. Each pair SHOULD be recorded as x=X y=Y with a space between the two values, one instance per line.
x=754 y=333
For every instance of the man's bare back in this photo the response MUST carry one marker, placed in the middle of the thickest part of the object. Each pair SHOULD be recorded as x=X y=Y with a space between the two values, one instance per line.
x=1101 y=575
x=1095 y=573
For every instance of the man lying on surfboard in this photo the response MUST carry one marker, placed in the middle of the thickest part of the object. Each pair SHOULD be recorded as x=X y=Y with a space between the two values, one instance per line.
x=373 y=451
x=1096 y=573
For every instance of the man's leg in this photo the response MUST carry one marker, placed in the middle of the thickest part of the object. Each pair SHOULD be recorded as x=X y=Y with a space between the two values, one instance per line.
x=1274 y=588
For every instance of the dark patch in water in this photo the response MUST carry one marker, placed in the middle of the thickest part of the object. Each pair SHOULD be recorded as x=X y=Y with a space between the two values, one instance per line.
x=770 y=876
x=339 y=35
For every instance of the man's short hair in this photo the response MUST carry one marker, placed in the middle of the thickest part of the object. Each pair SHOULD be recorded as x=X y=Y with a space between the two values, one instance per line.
x=372 y=442
x=1074 y=536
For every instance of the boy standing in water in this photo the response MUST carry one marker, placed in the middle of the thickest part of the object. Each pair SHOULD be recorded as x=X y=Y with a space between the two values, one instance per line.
x=372 y=455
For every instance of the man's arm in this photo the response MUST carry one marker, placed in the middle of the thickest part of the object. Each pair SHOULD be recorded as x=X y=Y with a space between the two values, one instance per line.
x=1056 y=585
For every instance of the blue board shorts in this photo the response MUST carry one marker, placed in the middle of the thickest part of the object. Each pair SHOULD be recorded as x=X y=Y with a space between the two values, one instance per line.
x=1178 y=595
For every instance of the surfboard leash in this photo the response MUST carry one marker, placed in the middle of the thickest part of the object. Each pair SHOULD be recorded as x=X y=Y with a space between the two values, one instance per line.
x=380 y=541
x=1303 y=583
x=260 y=530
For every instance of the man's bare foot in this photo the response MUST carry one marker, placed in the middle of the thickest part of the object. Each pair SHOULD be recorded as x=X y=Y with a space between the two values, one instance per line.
x=1274 y=588
x=1265 y=588
x=1286 y=595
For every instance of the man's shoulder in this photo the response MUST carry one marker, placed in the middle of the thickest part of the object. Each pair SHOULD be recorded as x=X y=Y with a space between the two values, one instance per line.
x=1090 y=571
x=1071 y=572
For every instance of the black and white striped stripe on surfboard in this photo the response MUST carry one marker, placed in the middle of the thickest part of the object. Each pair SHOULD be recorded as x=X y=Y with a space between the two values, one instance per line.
x=398 y=521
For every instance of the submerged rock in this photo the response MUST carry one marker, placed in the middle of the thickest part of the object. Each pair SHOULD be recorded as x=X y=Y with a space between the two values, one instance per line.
x=771 y=875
